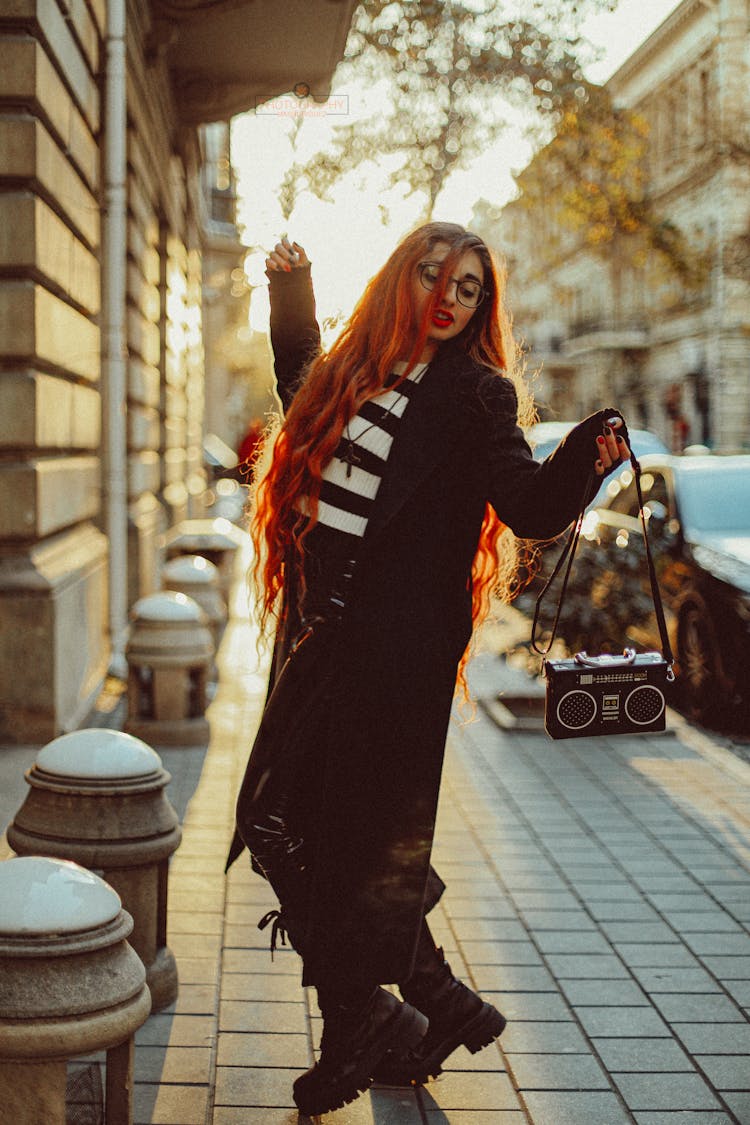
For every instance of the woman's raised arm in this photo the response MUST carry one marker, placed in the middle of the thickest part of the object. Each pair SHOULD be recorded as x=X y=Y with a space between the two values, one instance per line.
x=295 y=335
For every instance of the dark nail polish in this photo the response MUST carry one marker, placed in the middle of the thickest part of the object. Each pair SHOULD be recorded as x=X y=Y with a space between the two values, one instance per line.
x=608 y=431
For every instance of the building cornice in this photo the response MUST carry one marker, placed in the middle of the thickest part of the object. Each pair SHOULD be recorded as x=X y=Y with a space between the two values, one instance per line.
x=672 y=25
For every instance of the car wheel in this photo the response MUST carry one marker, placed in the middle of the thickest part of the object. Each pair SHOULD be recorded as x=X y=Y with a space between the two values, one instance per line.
x=703 y=682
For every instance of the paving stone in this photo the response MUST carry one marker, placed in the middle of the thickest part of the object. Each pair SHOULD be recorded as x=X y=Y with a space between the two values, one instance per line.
x=193 y=1000
x=513 y=978
x=666 y=979
x=234 y=1115
x=657 y=956
x=728 y=968
x=475 y=1117
x=255 y=1086
x=548 y=1006
x=488 y=1059
x=193 y=922
x=622 y=912
x=477 y=953
x=540 y=1037
x=484 y=929
x=557 y=941
x=614 y=891
x=586 y=1108
x=525 y=881
x=197 y=970
x=558 y=920
x=739 y=990
x=259 y=961
x=551 y=900
x=604 y=993
x=726 y=1072
x=557 y=1072
x=484 y=908
x=702 y=921
x=174 y=1065
x=739 y=1104
x=644 y=1054
x=714 y=1038
x=260 y=986
x=731 y=945
x=170 y=1105
x=665 y=1091
x=698 y=1008
x=697 y=903
x=236 y=1049
x=666 y=884
x=600 y=966
x=502 y=930
x=462 y=1091
x=625 y=1022
x=638 y=932
x=177 y=1031
x=700 y=1117
x=237 y=1015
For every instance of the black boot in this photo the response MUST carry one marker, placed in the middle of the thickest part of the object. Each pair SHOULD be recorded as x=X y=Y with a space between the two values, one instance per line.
x=458 y=1017
x=354 y=1041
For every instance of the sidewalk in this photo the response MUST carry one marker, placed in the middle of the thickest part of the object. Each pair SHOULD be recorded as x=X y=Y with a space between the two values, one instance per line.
x=598 y=893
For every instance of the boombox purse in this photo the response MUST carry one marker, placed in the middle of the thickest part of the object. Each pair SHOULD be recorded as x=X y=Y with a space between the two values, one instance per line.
x=607 y=694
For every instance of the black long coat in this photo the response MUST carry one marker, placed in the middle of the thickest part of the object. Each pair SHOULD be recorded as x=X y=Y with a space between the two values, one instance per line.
x=369 y=798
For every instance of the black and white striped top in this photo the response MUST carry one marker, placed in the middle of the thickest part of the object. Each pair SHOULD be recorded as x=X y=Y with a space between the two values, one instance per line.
x=351 y=478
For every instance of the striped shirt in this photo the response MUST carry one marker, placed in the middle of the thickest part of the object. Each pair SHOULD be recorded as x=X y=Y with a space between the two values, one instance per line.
x=352 y=477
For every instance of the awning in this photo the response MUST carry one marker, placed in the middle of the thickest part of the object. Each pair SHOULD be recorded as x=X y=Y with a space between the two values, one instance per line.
x=228 y=56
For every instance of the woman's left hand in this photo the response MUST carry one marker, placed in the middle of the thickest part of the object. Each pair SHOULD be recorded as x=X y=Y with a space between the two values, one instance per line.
x=611 y=447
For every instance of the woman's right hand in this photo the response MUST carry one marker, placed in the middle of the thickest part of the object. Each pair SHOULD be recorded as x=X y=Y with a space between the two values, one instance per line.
x=287 y=256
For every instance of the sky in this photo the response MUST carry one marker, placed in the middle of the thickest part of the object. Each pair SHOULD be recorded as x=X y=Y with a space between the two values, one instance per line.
x=349 y=239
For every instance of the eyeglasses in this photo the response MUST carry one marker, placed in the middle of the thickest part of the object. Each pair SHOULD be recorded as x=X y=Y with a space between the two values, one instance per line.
x=469 y=293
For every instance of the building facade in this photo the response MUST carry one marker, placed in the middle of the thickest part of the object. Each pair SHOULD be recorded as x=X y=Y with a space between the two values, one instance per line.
x=601 y=328
x=115 y=219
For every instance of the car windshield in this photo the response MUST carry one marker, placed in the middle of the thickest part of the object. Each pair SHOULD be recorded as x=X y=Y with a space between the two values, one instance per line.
x=718 y=500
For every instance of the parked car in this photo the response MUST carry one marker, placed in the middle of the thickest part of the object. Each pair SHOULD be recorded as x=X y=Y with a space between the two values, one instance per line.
x=698 y=511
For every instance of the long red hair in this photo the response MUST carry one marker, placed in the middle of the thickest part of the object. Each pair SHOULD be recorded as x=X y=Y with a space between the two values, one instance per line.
x=354 y=370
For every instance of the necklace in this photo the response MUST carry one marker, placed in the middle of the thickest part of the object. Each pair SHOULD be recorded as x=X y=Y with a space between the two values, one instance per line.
x=351 y=456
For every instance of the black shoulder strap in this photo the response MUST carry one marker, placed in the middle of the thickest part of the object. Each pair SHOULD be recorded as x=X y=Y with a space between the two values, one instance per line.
x=568 y=553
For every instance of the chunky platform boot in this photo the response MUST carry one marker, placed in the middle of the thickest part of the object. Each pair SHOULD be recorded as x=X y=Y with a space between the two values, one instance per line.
x=354 y=1041
x=458 y=1018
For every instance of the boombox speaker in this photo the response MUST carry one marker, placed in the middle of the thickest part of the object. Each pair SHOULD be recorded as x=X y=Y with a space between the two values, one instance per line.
x=606 y=694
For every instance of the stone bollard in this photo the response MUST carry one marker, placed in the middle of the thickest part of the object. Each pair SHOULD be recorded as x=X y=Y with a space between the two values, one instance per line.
x=198 y=579
x=217 y=540
x=70 y=985
x=97 y=797
x=169 y=654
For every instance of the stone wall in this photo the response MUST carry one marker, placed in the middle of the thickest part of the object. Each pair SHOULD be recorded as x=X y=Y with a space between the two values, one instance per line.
x=54 y=564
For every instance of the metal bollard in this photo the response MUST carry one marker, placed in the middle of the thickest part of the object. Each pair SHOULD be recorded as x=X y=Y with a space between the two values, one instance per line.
x=169 y=654
x=98 y=797
x=71 y=985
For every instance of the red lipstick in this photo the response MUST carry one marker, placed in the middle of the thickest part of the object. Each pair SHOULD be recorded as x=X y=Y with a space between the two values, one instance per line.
x=441 y=318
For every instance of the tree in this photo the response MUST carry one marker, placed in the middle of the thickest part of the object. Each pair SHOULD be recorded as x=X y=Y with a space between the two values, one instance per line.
x=592 y=178
x=453 y=68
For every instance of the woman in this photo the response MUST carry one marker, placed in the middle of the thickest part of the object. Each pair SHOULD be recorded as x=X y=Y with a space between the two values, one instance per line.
x=378 y=523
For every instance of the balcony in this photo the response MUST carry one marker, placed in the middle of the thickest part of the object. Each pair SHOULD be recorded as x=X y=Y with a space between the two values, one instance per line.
x=596 y=334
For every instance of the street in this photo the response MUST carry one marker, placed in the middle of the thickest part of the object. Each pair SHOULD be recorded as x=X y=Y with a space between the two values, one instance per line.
x=598 y=893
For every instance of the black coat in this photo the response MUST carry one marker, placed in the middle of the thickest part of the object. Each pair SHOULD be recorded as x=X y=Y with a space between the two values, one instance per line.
x=369 y=800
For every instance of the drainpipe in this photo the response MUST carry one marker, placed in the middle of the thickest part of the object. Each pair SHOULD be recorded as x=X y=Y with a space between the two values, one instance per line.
x=114 y=341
